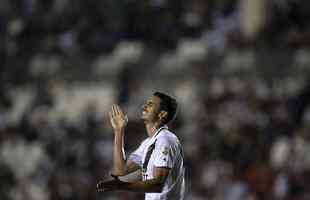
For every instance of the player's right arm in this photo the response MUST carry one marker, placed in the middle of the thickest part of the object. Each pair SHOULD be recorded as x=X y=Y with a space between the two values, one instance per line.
x=119 y=121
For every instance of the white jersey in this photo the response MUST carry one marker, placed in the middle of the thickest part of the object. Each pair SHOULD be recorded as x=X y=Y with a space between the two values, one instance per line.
x=167 y=152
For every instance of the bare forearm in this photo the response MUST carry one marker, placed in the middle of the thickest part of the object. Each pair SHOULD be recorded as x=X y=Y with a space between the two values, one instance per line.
x=119 y=154
x=153 y=186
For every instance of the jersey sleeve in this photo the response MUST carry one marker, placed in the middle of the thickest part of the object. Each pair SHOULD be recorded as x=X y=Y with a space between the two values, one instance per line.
x=163 y=153
x=137 y=155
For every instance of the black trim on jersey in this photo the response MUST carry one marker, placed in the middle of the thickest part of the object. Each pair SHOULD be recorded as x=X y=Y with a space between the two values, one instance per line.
x=149 y=153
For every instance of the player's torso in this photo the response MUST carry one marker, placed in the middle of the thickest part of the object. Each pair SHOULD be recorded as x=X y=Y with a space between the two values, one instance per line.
x=175 y=179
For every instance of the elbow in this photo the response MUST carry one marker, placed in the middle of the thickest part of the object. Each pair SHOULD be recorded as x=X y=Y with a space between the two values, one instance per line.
x=119 y=172
x=158 y=184
x=158 y=190
x=158 y=187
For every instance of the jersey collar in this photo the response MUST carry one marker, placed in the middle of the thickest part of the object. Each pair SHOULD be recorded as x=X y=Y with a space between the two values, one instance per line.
x=159 y=130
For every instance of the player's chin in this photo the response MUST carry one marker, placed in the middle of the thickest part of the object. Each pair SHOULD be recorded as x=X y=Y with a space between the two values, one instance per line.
x=144 y=118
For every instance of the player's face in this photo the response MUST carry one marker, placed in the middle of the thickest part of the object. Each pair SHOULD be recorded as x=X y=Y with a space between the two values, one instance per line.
x=150 y=109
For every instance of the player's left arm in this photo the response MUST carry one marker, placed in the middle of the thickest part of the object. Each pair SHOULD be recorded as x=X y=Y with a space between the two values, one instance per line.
x=154 y=185
x=163 y=163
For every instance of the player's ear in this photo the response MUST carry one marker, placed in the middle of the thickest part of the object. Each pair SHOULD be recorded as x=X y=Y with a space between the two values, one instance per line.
x=162 y=115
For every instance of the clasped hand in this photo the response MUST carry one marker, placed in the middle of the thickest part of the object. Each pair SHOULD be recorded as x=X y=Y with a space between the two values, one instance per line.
x=109 y=185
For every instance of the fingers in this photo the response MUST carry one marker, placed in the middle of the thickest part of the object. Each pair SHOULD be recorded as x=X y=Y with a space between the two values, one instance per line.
x=113 y=110
x=119 y=110
x=110 y=115
x=110 y=185
x=117 y=117
x=116 y=110
x=100 y=188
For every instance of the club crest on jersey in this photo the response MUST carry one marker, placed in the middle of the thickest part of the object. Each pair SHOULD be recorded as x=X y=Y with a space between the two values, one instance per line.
x=164 y=150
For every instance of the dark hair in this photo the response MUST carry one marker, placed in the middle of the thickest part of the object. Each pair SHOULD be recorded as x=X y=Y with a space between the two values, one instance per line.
x=169 y=104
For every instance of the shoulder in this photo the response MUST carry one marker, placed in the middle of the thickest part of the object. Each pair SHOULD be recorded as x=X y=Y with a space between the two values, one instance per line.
x=167 y=137
x=144 y=143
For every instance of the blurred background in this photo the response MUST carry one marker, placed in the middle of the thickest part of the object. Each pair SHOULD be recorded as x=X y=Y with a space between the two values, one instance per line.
x=239 y=69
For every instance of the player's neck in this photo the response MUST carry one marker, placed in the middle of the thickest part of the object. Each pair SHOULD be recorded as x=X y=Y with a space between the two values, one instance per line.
x=152 y=128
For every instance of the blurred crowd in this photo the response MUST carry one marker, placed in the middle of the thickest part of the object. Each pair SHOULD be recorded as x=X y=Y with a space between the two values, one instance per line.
x=244 y=102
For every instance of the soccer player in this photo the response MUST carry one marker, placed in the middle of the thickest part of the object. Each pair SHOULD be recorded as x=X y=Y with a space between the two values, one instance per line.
x=159 y=156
